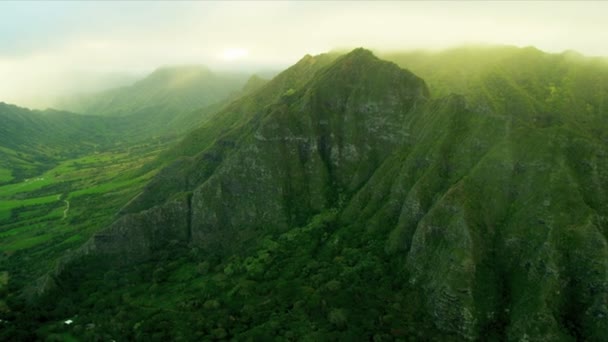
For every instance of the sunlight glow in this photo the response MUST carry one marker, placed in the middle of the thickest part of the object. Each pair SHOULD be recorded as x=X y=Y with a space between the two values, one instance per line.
x=43 y=59
x=234 y=54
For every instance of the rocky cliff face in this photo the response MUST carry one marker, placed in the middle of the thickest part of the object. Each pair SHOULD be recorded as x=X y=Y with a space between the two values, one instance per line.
x=318 y=143
x=135 y=237
x=131 y=239
x=498 y=221
x=319 y=140
x=492 y=214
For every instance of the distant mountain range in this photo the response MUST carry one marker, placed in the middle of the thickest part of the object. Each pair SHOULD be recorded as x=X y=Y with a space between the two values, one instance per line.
x=174 y=89
x=165 y=104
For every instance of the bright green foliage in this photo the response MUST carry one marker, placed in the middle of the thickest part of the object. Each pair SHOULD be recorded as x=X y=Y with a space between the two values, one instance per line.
x=6 y=175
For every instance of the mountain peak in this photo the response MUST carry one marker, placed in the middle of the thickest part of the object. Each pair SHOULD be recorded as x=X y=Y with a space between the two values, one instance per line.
x=361 y=52
x=179 y=72
x=253 y=83
x=306 y=60
x=360 y=55
x=181 y=68
x=361 y=67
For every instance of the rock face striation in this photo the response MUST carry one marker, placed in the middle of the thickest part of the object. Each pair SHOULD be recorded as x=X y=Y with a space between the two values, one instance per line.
x=495 y=218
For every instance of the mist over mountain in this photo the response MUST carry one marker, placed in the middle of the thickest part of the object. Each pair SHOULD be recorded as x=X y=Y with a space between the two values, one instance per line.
x=168 y=102
x=174 y=89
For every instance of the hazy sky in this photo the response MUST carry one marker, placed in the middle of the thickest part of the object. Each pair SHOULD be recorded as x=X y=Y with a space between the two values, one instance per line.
x=49 y=48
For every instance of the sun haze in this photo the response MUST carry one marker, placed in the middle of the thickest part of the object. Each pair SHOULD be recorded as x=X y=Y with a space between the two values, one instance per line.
x=44 y=44
x=234 y=54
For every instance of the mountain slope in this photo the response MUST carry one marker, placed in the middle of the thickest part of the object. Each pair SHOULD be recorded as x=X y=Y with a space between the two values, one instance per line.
x=343 y=201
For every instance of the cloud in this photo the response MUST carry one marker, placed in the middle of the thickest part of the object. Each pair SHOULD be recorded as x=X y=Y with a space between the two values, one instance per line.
x=44 y=43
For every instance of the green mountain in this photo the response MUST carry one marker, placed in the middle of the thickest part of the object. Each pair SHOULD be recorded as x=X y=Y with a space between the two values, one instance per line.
x=343 y=200
x=167 y=90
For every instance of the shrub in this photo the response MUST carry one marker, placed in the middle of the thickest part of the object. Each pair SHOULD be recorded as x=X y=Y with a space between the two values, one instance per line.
x=337 y=317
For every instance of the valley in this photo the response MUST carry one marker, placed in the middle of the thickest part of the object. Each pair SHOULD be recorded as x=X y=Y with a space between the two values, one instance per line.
x=42 y=217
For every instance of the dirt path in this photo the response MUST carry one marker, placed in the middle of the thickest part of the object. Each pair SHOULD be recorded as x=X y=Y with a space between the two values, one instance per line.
x=67 y=208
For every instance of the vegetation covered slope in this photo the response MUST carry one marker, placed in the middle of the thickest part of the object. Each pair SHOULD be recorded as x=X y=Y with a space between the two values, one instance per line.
x=340 y=201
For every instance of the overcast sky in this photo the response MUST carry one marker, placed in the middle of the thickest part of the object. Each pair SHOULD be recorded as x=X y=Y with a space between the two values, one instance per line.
x=49 y=48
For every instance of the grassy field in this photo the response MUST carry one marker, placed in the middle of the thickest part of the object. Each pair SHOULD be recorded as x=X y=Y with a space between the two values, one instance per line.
x=6 y=175
x=43 y=216
x=33 y=209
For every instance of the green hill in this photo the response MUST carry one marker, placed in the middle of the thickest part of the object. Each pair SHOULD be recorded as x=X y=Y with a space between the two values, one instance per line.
x=343 y=200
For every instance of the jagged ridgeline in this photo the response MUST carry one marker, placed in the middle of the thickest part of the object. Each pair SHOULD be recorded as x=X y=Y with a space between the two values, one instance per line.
x=341 y=200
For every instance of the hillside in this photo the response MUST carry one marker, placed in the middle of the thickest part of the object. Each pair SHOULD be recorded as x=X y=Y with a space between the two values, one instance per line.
x=344 y=200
